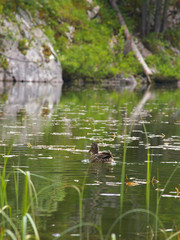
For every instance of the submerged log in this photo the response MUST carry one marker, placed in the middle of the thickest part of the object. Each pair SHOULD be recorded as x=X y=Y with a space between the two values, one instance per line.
x=135 y=49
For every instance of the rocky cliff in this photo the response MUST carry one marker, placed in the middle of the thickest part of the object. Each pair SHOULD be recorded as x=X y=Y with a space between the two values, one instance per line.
x=26 y=53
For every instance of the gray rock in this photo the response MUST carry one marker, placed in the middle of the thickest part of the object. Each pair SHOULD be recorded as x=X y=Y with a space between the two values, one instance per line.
x=28 y=51
x=70 y=33
x=93 y=13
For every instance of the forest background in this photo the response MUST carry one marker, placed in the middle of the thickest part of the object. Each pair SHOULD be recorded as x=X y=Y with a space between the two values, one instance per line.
x=90 y=41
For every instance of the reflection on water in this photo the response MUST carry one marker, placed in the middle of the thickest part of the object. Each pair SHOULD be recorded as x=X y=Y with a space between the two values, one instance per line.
x=32 y=98
x=26 y=107
x=53 y=142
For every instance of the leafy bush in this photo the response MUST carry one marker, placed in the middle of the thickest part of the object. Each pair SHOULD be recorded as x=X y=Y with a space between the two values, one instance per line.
x=173 y=36
x=166 y=65
x=91 y=53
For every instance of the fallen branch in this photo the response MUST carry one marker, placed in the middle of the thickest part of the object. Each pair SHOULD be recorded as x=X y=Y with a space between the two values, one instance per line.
x=135 y=49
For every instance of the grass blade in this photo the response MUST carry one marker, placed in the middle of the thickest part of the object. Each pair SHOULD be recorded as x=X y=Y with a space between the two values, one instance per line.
x=33 y=226
x=24 y=227
x=11 y=234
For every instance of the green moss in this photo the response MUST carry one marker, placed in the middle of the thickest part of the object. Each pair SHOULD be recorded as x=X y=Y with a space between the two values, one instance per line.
x=46 y=50
x=1 y=8
x=3 y=62
x=23 y=45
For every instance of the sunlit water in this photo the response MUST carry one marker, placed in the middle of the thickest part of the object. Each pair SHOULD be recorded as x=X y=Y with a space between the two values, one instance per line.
x=51 y=137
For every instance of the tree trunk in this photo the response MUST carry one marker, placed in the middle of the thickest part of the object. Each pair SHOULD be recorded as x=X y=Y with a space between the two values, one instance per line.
x=158 y=16
x=143 y=17
x=163 y=26
x=149 y=18
x=127 y=34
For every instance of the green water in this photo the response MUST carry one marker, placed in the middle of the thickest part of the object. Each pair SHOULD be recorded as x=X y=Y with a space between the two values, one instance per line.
x=53 y=141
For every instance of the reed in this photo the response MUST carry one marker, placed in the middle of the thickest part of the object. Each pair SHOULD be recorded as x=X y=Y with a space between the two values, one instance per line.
x=137 y=210
x=80 y=192
x=3 y=182
x=78 y=226
x=123 y=171
x=148 y=176
x=9 y=225
x=159 y=195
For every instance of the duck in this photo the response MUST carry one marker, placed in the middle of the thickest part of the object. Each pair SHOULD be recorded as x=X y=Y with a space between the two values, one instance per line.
x=96 y=156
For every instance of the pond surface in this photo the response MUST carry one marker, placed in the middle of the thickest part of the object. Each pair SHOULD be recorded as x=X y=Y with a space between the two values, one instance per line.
x=50 y=136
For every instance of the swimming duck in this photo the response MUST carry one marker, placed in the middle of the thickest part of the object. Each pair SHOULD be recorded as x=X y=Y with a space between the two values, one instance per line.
x=103 y=157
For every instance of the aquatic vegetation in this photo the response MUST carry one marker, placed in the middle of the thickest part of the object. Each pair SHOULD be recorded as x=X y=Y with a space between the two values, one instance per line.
x=23 y=45
x=16 y=224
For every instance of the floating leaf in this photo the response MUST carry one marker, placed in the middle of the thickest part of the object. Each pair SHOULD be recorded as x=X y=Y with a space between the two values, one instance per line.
x=154 y=180
x=132 y=184
x=177 y=191
x=29 y=145
x=162 y=135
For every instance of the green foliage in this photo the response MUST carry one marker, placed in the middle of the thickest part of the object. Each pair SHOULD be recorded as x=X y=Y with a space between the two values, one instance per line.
x=50 y=33
x=3 y=62
x=164 y=60
x=8 y=225
x=23 y=45
x=91 y=52
x=173 y=36
x=1 y=8
x=167 y=66
x=46 y=50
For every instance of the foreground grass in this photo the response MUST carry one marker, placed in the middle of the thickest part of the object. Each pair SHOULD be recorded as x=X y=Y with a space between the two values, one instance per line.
x=25 y=225
x=10 y=226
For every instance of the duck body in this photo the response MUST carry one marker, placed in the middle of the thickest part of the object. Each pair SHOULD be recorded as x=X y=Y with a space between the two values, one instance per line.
x=96 y=156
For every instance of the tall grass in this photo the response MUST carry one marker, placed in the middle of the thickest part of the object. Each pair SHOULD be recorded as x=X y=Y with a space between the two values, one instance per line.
x=123 y=171
x=148 y=177
x=9 y=224
x=158 y=223
x=13 y=229
x=151 y=233
x=80 y=190
x=148 y=184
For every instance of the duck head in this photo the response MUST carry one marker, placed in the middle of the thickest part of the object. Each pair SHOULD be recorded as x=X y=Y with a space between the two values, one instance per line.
x=94 y=148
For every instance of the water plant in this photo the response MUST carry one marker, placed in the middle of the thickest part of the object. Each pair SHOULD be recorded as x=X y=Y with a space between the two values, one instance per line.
x=80 y=190
x=12 y=225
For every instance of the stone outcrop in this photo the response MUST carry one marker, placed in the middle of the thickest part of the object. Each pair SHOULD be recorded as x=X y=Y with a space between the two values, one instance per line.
x=26 y=53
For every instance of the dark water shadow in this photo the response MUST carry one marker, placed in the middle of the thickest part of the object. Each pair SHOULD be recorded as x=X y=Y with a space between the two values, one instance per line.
x=119 y=86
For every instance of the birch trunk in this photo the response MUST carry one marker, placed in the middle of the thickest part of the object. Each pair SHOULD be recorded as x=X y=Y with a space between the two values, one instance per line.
x=135 y=49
